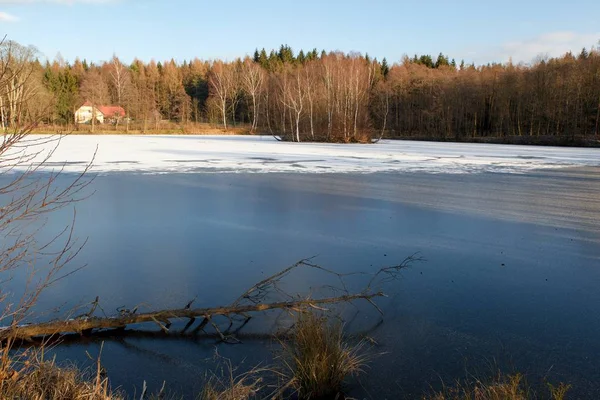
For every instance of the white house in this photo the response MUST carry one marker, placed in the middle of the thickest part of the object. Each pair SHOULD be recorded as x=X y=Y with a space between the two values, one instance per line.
x=85 y=113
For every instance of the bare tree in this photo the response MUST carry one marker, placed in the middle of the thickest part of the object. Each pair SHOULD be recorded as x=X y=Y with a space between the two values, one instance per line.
x=17 y=69
x=381 y=102
x=94 y=90
x=293 y=97
x=27 y=198
x=311 y=83
x=235 y=88
x=120 y=80
x=328 y=80
x=221 y=85
x=253 y=77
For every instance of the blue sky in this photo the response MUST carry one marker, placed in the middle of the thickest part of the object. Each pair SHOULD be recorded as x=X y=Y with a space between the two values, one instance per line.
x=477 y=31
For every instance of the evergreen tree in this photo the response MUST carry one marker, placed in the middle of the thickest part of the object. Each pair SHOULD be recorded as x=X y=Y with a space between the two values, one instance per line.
x=65 y=87
x=301 y=57
x=263 y=60
x=426 y=60
x=462 y=64
x=385 y=69
x=256 y=57
x=442 y=61
x=584 y=54
x=286 y=54
x=453 y=63
x=273 y=60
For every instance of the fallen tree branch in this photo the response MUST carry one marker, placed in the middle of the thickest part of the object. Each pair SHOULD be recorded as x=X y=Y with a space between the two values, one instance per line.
x=88 y=325
x=264 y=296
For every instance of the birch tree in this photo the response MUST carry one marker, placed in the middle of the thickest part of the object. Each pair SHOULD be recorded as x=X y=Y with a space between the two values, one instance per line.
x=221 y=86
x=253 y=77
x=294 y=96
x=16 y=68
x=120 y=80
x=95 y=90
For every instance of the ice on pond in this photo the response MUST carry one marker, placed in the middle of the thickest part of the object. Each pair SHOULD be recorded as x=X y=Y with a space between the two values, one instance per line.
x=263 y=154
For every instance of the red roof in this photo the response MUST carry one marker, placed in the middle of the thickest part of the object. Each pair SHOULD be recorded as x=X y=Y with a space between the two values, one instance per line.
x=112 y=111
x=108 y=111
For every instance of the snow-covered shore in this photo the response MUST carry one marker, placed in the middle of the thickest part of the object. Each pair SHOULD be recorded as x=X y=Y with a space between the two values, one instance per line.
x=261 y=154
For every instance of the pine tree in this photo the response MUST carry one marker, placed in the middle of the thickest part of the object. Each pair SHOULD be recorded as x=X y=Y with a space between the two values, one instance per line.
x=286 y=54
x=263 y=60
x=462 y=64
x=65 y=87
x=273 y=60
x=385 y=69
x=442 y=61
x=584 y=54
x=256 y=57
x=453 y=63
x=301 y=57
x=426 y=60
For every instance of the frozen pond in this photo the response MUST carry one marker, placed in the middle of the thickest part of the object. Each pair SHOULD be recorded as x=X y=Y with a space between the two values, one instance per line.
x=159 y=154
x=511 y=235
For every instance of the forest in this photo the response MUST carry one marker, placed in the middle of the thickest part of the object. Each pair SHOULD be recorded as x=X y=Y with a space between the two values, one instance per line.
x=314 y=95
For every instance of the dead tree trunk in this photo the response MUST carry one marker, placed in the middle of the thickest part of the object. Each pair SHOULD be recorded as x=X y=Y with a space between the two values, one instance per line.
x=86 y=325
x=259 y=298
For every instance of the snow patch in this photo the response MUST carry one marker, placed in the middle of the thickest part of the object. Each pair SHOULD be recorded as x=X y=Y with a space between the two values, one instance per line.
x=263 y=154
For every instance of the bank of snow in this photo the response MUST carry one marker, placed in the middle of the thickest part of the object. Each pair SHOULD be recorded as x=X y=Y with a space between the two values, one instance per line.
x=261 y=154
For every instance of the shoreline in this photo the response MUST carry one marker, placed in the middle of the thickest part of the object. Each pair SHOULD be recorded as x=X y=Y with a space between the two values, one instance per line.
x=590 y=141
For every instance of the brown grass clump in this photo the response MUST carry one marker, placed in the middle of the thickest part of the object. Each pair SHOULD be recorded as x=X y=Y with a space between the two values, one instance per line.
x=511 y=387
x=317 y=361
x=237 y=390
x=231 y=387
x=559 y=392
x=44 y=380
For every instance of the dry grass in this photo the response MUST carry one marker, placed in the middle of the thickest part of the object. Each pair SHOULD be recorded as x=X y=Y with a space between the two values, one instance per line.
x=164 y=128
x=44 y=380
x=317 y=361
x=511 y=387
x=229 y=386
x=559 y=392
x=240 y=389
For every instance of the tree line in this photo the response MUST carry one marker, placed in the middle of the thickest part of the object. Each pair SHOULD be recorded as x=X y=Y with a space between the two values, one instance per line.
x=318 y=95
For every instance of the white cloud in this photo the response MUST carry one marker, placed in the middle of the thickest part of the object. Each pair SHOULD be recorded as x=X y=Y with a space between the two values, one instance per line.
x=553 y=44
x=6 y=17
